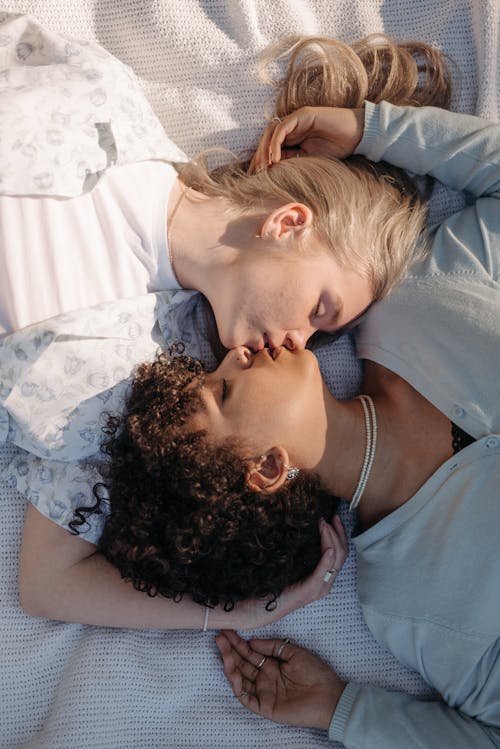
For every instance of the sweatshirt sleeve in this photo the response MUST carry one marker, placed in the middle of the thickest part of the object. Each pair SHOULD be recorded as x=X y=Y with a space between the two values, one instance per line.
x=462 y=152
x=369 y=717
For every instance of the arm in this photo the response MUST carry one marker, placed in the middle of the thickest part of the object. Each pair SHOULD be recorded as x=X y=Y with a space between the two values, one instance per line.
x=66 y=578
x=295 y=687
x=370 y=716
x=461 y=151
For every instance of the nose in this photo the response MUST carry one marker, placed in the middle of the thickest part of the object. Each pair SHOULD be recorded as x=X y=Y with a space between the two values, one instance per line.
x=294 y=340
x=242 y=356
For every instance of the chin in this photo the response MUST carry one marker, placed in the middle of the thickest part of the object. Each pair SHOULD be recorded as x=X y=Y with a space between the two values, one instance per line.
x=311 y=358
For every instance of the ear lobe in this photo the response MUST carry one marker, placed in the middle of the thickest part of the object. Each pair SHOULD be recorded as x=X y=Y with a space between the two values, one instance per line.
x=287 y=220
x=269 y=472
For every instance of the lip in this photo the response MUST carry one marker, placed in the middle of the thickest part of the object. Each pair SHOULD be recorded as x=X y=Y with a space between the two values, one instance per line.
x=271 y=354
x=276 y=352
x=257 y=346
x=268 y=341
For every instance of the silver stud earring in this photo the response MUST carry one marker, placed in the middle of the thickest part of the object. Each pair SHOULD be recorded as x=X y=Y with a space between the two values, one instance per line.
x=292 y=472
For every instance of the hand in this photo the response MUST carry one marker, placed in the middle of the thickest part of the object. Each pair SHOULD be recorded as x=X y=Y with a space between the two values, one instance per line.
x=312 y=131
x=292 y=686
x=252 y=613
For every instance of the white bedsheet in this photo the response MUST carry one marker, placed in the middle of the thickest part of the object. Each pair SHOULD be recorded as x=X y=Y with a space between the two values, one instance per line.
x=64 y=685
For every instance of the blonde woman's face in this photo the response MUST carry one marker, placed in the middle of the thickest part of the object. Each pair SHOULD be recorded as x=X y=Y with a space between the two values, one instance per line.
x=280 y=299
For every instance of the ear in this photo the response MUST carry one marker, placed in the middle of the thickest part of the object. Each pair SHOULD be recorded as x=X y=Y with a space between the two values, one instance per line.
x=268 y=473
x=287 y=221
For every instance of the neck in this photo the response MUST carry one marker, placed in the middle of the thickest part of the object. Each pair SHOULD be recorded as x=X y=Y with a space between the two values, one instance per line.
x=341 y=465
x=413 y=440
x=202 y=238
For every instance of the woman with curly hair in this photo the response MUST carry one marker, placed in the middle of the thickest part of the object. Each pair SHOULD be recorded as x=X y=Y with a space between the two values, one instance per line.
x=184 y=519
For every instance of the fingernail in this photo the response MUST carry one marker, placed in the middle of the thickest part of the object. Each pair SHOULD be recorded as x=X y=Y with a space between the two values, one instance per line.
x=330 y=554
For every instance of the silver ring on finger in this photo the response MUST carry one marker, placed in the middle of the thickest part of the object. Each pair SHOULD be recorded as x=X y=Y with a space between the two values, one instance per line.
x=328 y=575
x=261 y=662
x=282 y=647
x=276 y=119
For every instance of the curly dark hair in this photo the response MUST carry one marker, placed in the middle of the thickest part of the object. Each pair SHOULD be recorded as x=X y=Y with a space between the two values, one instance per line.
x=183 y=519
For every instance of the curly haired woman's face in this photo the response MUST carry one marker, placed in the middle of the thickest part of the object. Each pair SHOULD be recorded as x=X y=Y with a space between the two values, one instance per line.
x=267 y=399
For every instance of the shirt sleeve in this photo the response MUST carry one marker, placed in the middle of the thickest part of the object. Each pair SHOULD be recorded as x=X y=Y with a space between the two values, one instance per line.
x=367 y=717
x=462 y=152
x=57 y=489
x=70 y=110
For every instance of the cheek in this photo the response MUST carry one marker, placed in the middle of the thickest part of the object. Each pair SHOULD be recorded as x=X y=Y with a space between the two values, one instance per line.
x=231 y=321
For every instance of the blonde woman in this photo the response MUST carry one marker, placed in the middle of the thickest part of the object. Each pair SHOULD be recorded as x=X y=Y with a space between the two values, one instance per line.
x=91 y=209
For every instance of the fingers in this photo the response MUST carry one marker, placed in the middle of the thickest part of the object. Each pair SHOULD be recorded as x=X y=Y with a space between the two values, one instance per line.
x=260 y=159
x=337 y=522
x=335 y=550
x=281 y=134
x=320 y=581
x=250 y=657
x=240 y=660
x=334 y=536
x=280 y=650
x=250 y=666
x=278 y=133
x=245 y=649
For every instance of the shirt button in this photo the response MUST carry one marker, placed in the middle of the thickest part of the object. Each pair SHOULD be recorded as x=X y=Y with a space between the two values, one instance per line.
x=491 y=442
x=458 y=412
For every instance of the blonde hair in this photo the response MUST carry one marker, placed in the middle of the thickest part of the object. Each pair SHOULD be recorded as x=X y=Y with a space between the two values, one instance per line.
x=323 y=72
x=370 y=216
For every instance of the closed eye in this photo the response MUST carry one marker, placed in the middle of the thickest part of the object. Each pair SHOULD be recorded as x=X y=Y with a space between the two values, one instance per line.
x=320 y=309
x=224 y=390
x=326 y=315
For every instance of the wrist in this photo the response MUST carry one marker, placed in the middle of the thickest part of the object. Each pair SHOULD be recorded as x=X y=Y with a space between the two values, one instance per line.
x=245 y=615
x=329 y=705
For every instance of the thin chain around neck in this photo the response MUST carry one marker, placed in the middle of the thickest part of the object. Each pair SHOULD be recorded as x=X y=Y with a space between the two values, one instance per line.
x=170 y=223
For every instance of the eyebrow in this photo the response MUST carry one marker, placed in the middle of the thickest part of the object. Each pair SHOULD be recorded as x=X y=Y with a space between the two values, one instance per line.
x=203 y=390
x=201 y=400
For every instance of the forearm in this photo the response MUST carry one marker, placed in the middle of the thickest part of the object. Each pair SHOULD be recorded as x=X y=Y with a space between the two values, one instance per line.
x=92 y=592
x=462 y=151
x=368 y=716
x=65 y=578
